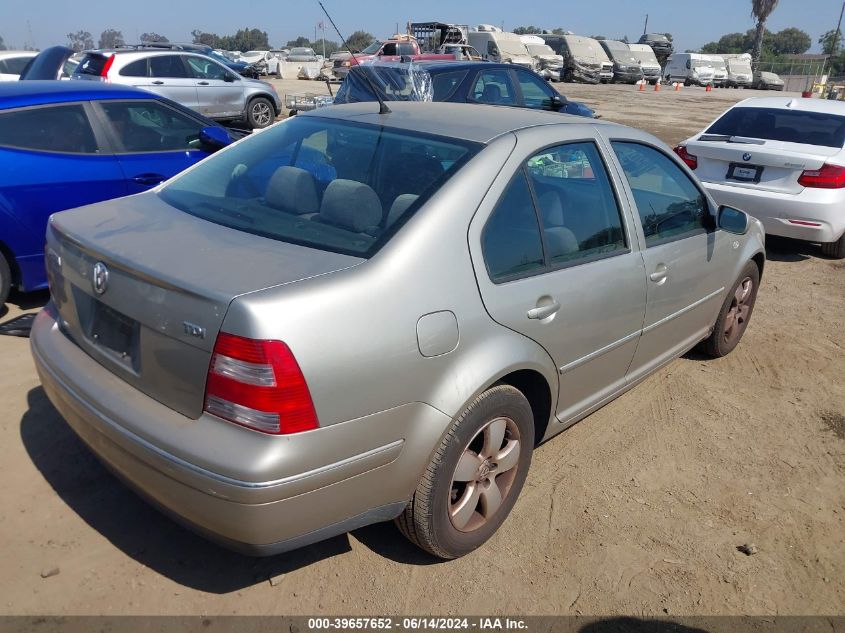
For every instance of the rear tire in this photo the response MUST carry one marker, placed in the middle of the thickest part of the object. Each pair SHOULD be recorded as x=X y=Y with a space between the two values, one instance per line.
x=5 y=280
x=735 y=314
x=835 y=250
x=474 y=477
x=260 y=113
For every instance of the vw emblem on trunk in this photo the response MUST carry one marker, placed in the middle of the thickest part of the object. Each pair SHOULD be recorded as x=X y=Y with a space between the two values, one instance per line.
x=100 y=278
x=746 y=157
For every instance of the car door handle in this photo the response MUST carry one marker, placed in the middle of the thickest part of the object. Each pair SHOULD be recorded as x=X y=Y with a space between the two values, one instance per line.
x=148 y=179
x=660 y=274
x=202 y=83
x=158 y=83
x=543 y=312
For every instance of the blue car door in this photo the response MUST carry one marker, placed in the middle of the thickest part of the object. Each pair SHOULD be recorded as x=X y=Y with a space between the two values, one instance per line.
x=51 y=159
x=153 y=141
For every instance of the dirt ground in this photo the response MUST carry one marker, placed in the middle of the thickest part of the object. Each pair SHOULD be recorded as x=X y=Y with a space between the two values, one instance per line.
x=639 y=509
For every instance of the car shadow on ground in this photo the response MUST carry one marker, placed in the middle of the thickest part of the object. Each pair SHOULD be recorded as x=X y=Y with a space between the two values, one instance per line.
x=136 y=528
x=29 y=300
x=644 y=625
x=783 y=249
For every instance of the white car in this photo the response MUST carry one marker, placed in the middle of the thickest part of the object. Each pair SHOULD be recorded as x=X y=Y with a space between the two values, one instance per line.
x=781 y=160
x=12 y=63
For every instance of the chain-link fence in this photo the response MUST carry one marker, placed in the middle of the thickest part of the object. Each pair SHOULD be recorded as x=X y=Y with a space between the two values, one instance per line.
x=799 y=75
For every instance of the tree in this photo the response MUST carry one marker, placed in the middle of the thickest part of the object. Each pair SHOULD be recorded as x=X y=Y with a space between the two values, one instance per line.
x=359 y=40
x=524 y=30
x=80 y=41
x=153 y=37
x=669 y=37
x=831 y=42
x=760 y=10
x=330 y=48
x=299 y=41
x=209 y=39
x=111 y=39
x=558 y=31
x=2 y=45
x=791 y=41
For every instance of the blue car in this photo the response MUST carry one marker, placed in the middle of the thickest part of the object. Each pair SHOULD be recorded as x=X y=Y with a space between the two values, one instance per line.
x=65 y=144
x=459 y=82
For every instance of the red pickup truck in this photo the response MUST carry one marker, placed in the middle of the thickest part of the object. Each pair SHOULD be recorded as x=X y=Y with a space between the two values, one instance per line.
x=392 y=50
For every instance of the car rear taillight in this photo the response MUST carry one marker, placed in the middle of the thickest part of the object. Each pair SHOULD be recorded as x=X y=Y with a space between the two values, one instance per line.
x=828 y=177
x=258 y=384
x=689 y=159
x=105 y=71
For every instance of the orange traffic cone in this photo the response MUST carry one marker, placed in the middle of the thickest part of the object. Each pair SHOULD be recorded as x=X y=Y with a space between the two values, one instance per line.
x=709 y=88
x=657 y=86
x=642 y=85
x=677 y=85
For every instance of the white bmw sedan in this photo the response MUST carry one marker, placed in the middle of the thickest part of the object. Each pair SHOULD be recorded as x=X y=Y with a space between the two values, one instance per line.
x=781 y=160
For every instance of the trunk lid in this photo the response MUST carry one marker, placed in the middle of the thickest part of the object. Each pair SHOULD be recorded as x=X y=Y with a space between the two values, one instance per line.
x=170 y=279
x=776 y=165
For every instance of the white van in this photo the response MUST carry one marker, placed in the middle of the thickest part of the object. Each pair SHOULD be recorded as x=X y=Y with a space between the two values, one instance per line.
x=644 y=54
x=740 y=74
x=720 y=70
x=500 y=46
x=690 y=69
x=547 y=63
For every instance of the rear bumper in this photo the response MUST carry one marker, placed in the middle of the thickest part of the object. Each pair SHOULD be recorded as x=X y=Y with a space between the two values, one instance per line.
x=267 y=512
x=779 y=212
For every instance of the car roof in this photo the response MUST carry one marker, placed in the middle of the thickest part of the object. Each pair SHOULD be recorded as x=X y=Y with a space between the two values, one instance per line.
x=18 y=53
x=825 y=106
x=17 y=94
x=471 y=122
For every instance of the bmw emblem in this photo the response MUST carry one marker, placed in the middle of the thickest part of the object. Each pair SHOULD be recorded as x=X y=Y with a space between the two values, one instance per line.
x=746 y=157
x=100 y=278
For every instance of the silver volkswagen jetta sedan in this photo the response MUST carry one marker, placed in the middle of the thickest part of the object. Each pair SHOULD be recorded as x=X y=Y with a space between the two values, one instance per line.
x=354 y=317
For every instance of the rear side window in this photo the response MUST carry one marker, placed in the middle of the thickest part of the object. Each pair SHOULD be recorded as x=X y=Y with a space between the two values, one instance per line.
x=511 y=241
x=135 y=69
x=775 y=124
x=57 y=128
x=334 y=185
x=168 y=66
x=670 y=206
x=445 y=84
x=149 y=126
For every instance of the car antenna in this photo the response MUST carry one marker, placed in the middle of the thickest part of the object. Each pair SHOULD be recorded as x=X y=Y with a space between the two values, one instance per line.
x=383 y=109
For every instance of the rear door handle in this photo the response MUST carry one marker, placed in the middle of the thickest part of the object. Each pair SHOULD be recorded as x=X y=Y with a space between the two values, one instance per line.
x=203 y=83
x=148 y=179
x=158 y=83
x=543 y=312
x=660 y=274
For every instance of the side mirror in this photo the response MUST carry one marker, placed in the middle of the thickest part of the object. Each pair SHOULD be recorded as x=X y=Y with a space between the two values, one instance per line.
x=733 y=220
x=558 y=102
x=229 y=78
x=213 y=138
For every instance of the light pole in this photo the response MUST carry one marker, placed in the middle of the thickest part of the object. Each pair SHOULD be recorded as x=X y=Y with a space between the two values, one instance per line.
x=836 y=32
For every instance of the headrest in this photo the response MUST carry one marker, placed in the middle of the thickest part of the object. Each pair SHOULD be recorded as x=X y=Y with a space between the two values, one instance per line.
x=399 y=206
x=293 y=190
x=351 y=205
x=551 y=208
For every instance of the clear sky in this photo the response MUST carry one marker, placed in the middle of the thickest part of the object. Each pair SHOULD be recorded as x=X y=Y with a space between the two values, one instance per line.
x=692 y=22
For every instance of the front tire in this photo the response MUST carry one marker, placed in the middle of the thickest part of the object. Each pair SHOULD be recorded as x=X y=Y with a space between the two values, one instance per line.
x=260 y=113
x=474 y=477
x=735 y=314
x=836 y=249
x=5 y=280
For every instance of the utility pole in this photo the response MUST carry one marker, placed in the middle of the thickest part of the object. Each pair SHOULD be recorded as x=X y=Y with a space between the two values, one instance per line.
x=645 y=28
x=836 y=32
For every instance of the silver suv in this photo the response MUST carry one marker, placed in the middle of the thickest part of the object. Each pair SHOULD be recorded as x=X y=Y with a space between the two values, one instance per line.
x=192 y=79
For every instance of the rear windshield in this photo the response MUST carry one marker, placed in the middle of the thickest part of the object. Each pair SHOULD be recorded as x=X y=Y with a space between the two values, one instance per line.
x=791 y=126
x=334 y=185
x=91 y=65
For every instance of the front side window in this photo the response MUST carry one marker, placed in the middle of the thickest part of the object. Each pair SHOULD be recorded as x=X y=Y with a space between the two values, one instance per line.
x=202 y=68
x=535 y=92
x=494 y=87
x=334 y=185
x=511 y=241
x=168 y=66
x=149 y=126
x=57 y=128
x=580 y=215
x=670 y=205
